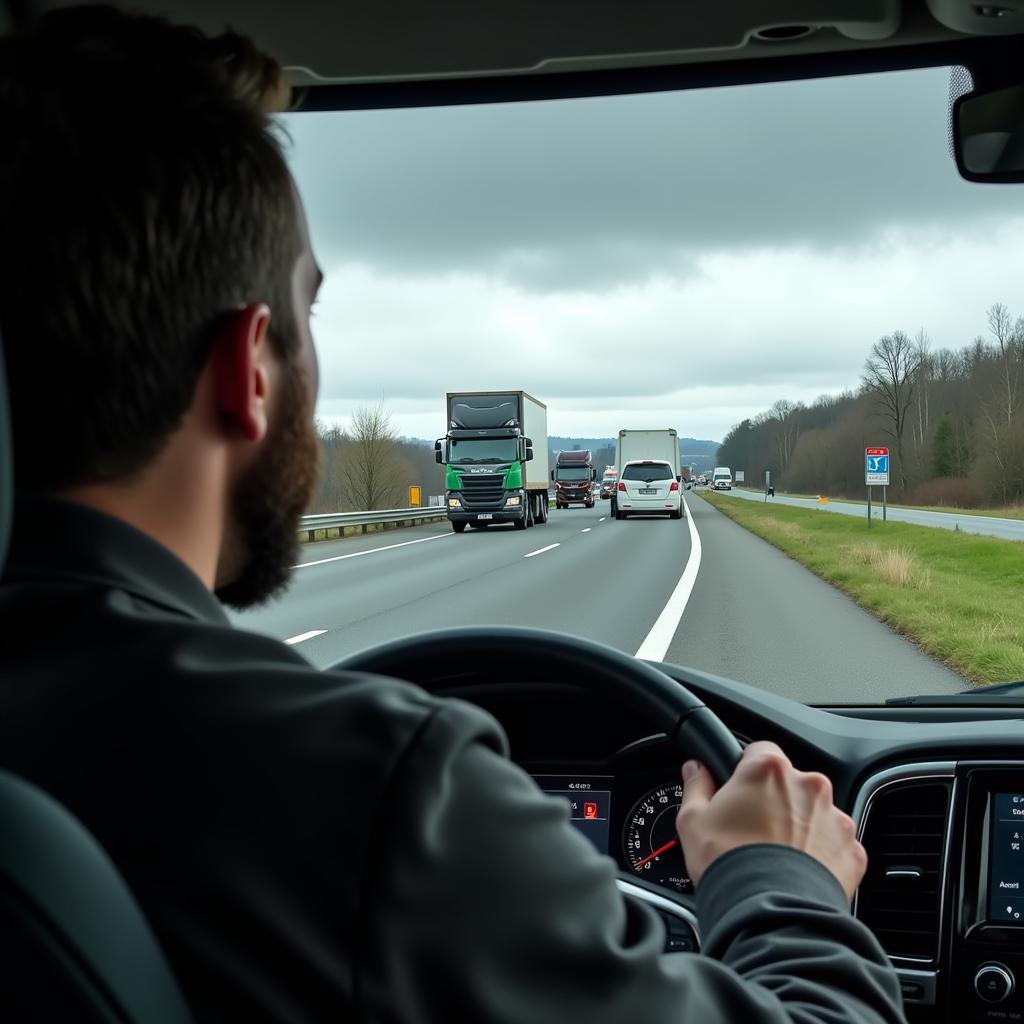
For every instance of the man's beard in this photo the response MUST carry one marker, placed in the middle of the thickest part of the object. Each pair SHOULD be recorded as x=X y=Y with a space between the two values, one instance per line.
x=270 y=500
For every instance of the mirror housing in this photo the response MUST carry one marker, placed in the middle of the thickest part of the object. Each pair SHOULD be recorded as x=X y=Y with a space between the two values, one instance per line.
x=438 y=453
x=593 y=474
x=988 y=135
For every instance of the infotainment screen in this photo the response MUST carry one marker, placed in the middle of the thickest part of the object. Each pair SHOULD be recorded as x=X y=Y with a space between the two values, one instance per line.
x=590 y=803
x=1006 y=866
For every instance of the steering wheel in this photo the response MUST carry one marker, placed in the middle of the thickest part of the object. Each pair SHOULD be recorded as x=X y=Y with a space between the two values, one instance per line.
x=428 y=659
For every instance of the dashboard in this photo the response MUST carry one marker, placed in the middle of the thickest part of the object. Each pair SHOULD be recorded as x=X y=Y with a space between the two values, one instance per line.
x=937 y=794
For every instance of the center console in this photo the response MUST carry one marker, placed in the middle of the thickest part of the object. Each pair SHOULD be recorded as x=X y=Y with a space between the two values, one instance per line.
x=986 y=949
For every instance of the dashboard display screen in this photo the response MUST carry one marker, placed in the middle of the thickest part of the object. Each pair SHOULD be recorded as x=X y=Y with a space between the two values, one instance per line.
x=1006 y=874
x=590 y=803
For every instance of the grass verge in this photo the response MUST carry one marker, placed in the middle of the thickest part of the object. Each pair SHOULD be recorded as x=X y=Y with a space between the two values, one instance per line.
x=956 y=595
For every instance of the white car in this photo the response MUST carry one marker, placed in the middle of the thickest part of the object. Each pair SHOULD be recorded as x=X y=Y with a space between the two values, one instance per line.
x=648 y=486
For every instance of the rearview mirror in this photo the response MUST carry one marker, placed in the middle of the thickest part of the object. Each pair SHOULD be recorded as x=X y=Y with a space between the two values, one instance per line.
x=438 y=453
x=988 y=135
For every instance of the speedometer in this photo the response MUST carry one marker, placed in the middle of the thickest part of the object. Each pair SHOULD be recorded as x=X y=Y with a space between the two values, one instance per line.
x=650 y=840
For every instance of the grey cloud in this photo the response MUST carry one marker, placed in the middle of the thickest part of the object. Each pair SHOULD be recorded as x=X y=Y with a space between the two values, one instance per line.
x=576 y=194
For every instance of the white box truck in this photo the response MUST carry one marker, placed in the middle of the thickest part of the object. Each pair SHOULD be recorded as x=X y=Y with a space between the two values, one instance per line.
x=496 y=454
x=658 y=445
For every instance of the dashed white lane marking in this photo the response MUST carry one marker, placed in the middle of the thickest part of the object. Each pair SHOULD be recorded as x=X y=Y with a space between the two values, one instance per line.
x=305 y=636
x=587 y=530
x=372 y=551
x=540 y=551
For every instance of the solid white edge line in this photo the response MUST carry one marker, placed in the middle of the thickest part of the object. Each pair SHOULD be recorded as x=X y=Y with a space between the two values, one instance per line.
x=540 y=551
x=655 y=647
x=305 y=636
x=372 y=551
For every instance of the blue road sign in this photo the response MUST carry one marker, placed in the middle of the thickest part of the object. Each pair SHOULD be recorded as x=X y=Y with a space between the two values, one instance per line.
x=876 y=467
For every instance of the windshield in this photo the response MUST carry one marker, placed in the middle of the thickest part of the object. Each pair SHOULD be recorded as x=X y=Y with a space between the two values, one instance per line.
x=648 y=472
x=572 y=473
x=791 y=277
x=482 y=450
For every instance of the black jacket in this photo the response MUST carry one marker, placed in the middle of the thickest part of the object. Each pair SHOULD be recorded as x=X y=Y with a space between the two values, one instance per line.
x=318 y=846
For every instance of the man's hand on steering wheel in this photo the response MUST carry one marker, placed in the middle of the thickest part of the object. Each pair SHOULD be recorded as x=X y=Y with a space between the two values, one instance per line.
x=767 y=801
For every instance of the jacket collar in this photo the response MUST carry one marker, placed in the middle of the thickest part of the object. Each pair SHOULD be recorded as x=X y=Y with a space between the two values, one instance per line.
x=63 y=541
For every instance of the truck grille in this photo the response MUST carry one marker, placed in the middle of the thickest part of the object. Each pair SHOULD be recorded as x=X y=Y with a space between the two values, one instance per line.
x=483 y=491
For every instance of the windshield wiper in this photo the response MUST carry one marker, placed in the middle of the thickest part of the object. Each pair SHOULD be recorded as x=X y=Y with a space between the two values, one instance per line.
x=996 y=694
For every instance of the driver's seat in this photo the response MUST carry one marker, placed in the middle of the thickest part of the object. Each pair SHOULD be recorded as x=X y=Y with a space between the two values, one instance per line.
x=74 y=945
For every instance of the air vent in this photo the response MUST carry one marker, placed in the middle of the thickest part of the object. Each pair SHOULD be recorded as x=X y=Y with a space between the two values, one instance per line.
x=901 y=895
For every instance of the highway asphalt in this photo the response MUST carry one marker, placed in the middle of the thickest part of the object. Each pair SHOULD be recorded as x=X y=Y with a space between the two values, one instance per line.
x=747 y=611
x=988 y=526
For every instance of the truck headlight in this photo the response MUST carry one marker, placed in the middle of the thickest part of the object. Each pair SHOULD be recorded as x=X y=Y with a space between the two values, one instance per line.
x=514 y=501
x=454 y=503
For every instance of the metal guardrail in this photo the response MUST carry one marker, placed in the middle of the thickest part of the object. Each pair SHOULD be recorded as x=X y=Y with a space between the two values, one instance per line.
x=343 y=524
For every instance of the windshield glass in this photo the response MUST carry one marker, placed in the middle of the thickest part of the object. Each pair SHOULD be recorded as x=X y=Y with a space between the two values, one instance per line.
x=483 y=450
x=651 y=472
x=572 y=473
x=788 y=278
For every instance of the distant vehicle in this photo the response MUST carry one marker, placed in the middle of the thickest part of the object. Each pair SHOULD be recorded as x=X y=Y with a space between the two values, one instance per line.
x=574 y=477
x=702 y=480
x=608 y=481
x=639 y=445
x=491 y=474
x=648 y=486
x=721 y=479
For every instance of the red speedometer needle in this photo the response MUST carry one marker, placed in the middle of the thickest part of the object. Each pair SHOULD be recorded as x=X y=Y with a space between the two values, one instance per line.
x=660 y=850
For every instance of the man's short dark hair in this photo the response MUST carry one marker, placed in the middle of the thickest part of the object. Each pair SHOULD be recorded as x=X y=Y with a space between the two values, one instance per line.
x=143 y=196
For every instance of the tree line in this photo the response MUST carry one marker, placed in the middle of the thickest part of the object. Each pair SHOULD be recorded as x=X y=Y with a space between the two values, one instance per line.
x=952 y=419
x=369 y=467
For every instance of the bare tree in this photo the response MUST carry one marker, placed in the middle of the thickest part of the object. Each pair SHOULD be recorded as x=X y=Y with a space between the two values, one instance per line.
x=1007 y=335
x=889 y=376
x=372 y=467
x=785 y=416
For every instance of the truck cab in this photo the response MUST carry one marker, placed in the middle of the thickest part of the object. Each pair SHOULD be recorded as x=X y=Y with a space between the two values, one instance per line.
x=574 y=476
x=721 y=479
x=491 y=476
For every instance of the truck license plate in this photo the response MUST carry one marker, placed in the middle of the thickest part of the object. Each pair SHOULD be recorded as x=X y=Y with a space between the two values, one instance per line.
x=484 y=515
x=648 y=490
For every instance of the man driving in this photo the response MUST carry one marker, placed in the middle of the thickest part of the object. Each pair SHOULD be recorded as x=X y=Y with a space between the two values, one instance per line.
x=307 y=845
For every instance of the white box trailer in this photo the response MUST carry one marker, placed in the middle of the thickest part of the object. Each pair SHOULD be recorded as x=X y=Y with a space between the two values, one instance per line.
x=657 y=445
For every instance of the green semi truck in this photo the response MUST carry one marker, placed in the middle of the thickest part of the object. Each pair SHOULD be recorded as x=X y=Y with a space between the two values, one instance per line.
x=491 y=473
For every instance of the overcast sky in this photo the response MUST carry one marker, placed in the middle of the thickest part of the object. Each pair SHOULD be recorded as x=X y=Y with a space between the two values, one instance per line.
x=678 y=259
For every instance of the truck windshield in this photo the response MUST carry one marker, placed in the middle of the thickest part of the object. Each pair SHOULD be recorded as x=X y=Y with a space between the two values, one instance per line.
x=483 y=449
x=572 y=473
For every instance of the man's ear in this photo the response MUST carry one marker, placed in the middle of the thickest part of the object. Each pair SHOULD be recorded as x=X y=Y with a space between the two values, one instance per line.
x=240 y=371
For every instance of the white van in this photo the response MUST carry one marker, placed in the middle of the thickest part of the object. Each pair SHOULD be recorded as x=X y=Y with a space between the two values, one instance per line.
x=721 y=479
